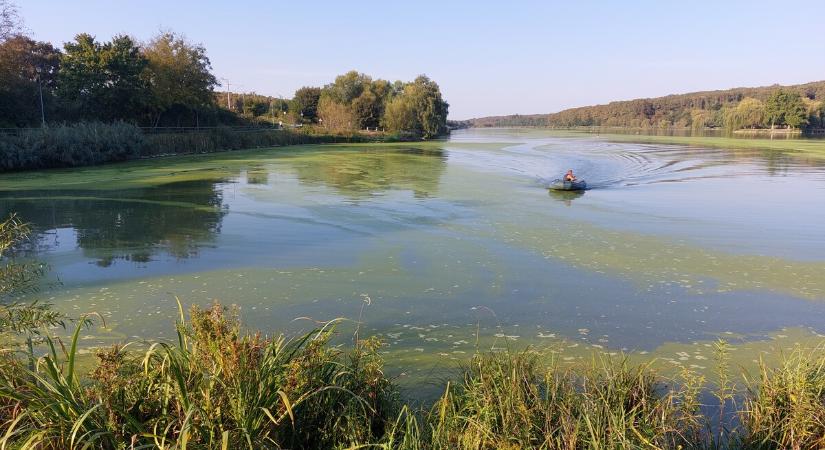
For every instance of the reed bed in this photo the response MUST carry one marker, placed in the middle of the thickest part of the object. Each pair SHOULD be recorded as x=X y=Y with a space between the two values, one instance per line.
x=93 y=143
x=218 y=387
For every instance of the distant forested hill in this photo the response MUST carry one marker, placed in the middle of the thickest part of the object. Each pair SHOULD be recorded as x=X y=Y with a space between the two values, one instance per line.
x=797 y=106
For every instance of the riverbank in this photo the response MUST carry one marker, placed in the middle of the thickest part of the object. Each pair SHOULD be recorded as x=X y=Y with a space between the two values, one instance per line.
x=220 y=387
x=812 y=146
x=94 y=143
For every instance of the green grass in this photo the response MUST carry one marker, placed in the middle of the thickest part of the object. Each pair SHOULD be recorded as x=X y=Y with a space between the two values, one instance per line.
x=214 y=388
x=220 y=387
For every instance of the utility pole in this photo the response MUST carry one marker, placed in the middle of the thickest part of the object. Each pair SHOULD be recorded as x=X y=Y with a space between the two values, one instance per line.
x=228 y=104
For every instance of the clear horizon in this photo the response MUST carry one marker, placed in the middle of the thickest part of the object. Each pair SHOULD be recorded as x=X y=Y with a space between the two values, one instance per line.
x=489 y=58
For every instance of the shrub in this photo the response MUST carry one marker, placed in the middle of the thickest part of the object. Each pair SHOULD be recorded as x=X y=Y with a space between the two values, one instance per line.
x=216 y=388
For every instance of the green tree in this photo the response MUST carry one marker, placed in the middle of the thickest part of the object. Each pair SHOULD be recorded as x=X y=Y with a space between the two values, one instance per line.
x=179 y=74
x=104 y=81
x=786 y=108
x=419 y=109
x=347 y=87
x=819 y=115
x=335 y=116
x=26 y=66
x=255 y=106
x=367 y=109
x=749 y=113
x=305 y=103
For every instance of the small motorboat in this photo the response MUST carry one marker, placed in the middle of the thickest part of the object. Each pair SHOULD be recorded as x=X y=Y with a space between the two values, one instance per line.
x=559 y=185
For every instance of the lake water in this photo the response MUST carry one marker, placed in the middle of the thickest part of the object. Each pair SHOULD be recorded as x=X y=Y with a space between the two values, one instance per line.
x=441 y=248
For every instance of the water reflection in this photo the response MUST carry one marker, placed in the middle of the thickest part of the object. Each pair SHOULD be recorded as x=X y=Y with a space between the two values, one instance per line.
x=365 y=173
x=694 y=238
x=565 y=197
x=130 y=225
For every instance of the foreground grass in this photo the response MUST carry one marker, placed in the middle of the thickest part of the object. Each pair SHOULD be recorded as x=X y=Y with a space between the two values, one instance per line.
x=218 y=387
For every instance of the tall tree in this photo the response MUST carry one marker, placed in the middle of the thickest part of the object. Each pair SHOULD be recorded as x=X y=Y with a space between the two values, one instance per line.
x=419 y=109
x=335 y=116
x=179 y=74
x=347 y=87
x=104 y=81
x=305 y=103
x=786 y=108
x=27 y=69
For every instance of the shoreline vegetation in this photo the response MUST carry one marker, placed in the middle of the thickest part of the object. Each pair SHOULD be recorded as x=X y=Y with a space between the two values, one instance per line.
x=218 y=386
x=93 y=143
x=95 y=101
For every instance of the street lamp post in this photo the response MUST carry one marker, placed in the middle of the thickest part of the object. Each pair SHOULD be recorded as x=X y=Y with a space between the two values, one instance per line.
x=40 y=90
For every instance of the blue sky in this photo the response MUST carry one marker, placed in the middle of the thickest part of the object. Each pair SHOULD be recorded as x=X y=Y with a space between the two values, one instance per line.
x=489 y=58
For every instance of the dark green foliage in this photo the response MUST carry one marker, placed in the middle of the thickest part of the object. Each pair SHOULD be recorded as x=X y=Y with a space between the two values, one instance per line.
x=103 y=81
x=224 y=138
x=90 y=143
x=26 y=66
x=305 y=103
x=786 y=108
x=82 y=144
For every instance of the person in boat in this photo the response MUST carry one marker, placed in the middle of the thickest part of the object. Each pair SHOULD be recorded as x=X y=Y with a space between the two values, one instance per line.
x=569 y=176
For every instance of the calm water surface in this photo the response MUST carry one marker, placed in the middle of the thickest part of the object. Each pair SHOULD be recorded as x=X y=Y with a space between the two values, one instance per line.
x=436 y=246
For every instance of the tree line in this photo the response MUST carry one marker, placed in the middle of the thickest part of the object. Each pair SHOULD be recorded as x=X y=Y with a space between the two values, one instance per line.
x=792 y=107
x=354 y=101
x=168 y=81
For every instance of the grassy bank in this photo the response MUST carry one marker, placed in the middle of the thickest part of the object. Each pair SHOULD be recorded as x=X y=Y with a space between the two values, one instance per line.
x=220 y=387
x=813 y=147
x=93 y=143
x=810 y=146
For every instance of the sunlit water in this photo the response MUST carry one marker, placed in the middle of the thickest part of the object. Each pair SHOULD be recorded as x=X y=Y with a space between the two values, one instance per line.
x=443 y=248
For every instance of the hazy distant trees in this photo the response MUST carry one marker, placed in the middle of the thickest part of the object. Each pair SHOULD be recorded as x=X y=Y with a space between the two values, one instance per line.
x=791 y=106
